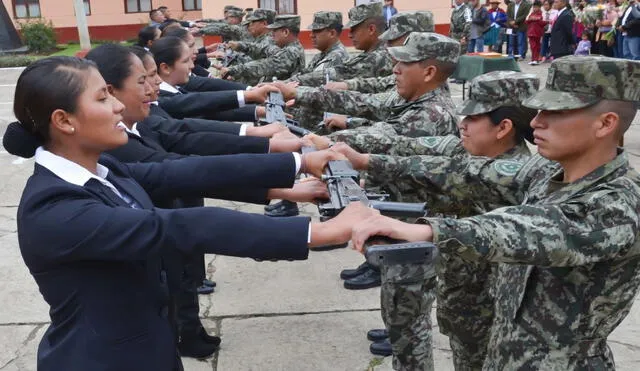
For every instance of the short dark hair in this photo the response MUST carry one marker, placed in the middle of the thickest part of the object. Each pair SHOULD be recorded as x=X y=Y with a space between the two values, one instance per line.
x=537 y=3
x=114 y=62
x=445 y=69
x=178 y=32
x=145 y=35
x=152 y=12
x=625 y=110
x=521 y=118
x=338 y=29
x=167 y=50
x=45 y=86
x=378 y=21
x=140 y=52
x=162 y=8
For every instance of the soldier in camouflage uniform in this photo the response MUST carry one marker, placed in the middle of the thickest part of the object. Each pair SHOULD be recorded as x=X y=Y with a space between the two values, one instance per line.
x=373 y=61
x=461 y=24
x=400 y=25
x=415 y=109
x=262 y=44
x=326 y=29
x=288 y=60
x=568 y=251
x=230 y=30
x=496 y=126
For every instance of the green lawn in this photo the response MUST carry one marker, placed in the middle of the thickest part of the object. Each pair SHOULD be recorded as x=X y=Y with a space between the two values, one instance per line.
x=72 y=49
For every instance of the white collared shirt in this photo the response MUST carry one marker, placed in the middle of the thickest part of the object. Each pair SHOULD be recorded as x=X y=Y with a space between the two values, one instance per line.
x=73 y=173
x=133 y=130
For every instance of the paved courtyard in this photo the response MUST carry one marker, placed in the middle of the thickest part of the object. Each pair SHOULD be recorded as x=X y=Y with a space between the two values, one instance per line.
x=271 y=316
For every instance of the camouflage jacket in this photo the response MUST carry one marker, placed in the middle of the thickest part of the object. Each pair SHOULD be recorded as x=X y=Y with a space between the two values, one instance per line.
x=281 y=65
x=229 y=32
x=570 y=254
x=372 y=85
x=460 y=21
x=261 y=47
x=336 y=55
x=375 y=62
x=430 y=115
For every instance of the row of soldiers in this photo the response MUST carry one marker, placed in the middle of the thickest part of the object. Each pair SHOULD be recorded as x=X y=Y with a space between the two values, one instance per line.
x=539 y=253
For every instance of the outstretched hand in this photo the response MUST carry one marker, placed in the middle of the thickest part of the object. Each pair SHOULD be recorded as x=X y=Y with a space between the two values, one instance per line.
x=339 y=229
x=378 y=225
x=318 y=141
x=314 y=163
x=259 y=94
x=360 y=161
x=288 y=89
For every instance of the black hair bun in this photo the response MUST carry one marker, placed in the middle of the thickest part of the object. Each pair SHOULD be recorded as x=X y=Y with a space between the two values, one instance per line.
x=20 y=142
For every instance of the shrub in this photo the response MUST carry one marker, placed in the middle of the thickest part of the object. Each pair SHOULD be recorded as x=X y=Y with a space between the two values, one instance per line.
x=39 y=36
x=16 y=60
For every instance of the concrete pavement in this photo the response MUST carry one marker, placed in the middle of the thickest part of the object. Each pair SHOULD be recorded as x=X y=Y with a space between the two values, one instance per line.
x=272 y=316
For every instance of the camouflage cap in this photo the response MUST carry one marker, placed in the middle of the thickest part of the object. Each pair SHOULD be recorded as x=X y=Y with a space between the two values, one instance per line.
x=322 y=20
x=405 y=22
x=261 y=14
x=230 y=7
x=498 y=89
x=287 y=20
x=363 y=12
x=235 y=13
x=426 y=45
x=580 y=81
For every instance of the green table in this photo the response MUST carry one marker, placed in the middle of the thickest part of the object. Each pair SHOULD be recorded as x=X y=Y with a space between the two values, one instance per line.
x=470 y=66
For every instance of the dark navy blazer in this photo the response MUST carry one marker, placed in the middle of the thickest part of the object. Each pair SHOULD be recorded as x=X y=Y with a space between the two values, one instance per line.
x=97 y=261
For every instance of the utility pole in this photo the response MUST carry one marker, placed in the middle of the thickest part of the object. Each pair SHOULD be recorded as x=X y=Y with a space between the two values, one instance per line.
x=83 y=29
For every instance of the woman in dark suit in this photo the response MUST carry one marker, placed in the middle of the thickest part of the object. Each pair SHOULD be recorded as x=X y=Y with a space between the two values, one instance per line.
x=92 y=239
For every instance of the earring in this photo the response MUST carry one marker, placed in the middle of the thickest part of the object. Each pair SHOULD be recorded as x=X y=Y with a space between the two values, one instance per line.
x=73 y=130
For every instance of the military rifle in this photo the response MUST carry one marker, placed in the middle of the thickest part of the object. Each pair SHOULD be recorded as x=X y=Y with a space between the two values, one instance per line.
x=275 y=113
x=385 y=251
x=229 y=55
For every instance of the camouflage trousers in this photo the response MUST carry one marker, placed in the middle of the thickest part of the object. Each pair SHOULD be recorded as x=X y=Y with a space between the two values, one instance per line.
x=458 y=36
x=465 y=309
x=518 y=344
x=407 y=295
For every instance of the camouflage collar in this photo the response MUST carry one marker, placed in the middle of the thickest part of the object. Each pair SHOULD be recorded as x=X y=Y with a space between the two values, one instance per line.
x=561 y=191
x=381 y=45
x=335 y=46
x=516 y=152
x=428 y=96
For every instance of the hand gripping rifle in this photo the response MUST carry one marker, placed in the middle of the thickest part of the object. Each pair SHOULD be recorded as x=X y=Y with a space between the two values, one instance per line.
x=275 y=113
x=229 y=55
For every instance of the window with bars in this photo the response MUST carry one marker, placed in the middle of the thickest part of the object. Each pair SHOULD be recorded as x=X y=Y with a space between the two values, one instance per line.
x=280 y=6
x=87 y=7
x=191 y=4
x=137 y=6
x=26 y=8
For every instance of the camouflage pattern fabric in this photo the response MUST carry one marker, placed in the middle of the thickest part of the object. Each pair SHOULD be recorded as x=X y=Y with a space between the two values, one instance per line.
x=363 y=12
x=374 y=62
x=426 y=45
x=577 y=82
x=404 y=22
x=372 y=85
x=322 y=20
x=281 y=65
x=498 y=89
x=430 y=115
x=262 y=46
x=336 y=55
x=261 y=14
x=569 y=260
x=461 y=26
x=229 y=32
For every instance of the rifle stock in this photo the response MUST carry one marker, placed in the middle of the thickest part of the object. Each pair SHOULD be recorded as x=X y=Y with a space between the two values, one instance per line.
x=398 y=252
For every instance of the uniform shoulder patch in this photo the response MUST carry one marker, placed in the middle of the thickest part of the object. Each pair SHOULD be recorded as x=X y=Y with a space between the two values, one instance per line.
x=429 y=142
x=507 y=167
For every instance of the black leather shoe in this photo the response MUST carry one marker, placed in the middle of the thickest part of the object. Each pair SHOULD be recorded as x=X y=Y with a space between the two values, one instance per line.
x=367 y=280
x=195 y=347
x=209 y=339
x=287 y=208
x=381 y=348
x=351 y=273
x=273 y=206
x=204 y=290
x=209 y=283
x=377 y=334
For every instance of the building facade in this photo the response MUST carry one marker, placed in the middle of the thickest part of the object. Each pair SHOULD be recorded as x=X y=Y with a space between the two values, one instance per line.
x=122 y=19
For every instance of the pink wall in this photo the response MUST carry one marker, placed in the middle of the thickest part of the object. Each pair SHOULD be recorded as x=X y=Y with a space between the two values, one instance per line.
x=103 y=12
